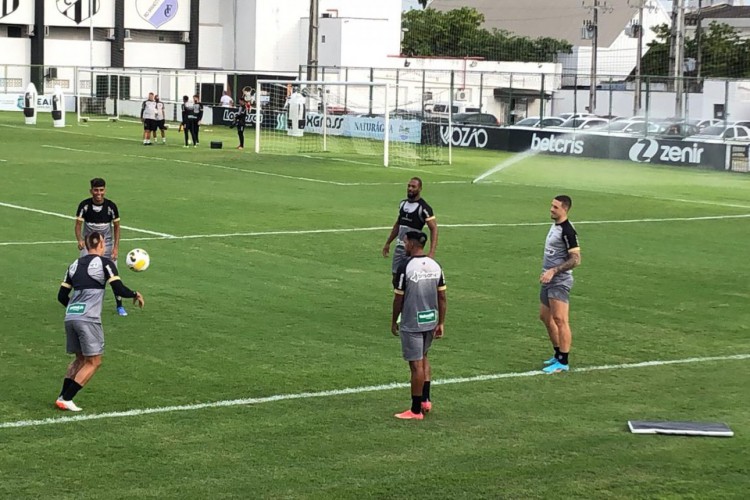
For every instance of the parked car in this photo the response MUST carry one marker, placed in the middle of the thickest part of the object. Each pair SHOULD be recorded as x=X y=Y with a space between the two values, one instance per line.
x=677 y=130
x=568 y=116
x=476 y=119
x=583 y=123
x=708 y=123
x=722 y=133
x=633 y=127
x=535 y=121
x=443 y=108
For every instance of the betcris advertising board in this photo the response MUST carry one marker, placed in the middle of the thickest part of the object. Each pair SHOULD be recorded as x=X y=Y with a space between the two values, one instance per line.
x=364 y=127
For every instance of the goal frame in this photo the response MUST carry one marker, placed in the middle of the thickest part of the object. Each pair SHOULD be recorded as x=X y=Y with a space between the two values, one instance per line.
x=385 y=86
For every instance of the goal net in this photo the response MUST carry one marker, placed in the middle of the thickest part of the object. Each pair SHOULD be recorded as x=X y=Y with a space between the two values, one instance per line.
x=351 y=121
x=98 y=94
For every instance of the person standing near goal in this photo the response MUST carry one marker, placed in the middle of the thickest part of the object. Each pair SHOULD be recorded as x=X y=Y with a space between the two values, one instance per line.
x=88 y=277
x=99 y=214
x=148 y=117
x=194 y=117
x=413 y=213
x=160 y=120
x=561 y=254
x=240 y=118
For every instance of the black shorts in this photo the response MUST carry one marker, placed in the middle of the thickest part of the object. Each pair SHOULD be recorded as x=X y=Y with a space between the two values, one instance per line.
x=160 y=124
x=149 y=124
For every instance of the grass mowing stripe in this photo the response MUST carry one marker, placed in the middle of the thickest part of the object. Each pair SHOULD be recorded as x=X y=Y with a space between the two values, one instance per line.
x=351 y=390
x=64 y=216
x=383 y=228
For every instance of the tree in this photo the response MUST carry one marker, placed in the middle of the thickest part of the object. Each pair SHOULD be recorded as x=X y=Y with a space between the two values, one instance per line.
x=724 y=53
x=459 y=33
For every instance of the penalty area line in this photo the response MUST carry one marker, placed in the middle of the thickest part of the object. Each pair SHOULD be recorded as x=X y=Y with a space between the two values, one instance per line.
x=378 y=228
x=350 y=390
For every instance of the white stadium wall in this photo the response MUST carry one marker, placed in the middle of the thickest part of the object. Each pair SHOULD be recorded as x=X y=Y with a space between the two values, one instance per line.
x=23 y=15
x=154 y=55
x=62 y=13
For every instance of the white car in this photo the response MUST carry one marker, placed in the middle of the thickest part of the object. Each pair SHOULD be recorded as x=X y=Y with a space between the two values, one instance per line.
x=583 y=123
x=633 y=127
x=568 y=116
x=720 y=133
x=537 y=122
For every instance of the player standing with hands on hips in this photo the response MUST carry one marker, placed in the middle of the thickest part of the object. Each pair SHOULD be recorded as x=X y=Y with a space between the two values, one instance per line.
x=413 y=213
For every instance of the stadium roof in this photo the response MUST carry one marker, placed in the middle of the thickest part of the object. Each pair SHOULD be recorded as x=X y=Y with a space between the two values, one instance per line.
x=561 y=19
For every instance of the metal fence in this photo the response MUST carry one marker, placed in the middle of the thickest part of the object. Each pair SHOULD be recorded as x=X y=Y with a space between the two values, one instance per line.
x=508 y=97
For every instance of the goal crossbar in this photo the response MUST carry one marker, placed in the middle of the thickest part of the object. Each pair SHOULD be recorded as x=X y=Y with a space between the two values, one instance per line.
x=318 y=83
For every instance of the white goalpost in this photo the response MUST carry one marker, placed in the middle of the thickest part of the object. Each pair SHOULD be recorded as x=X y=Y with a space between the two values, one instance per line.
x=351 y=121
x=97 y=95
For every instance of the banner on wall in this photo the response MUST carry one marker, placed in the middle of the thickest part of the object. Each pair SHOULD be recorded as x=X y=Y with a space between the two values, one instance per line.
x=16 y=12
x=79 y=13
x=364 y=127
x=14 y=102
x=584 y=145
x=164 y=15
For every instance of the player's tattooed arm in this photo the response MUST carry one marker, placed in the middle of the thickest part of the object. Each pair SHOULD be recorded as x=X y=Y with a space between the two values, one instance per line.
x=574 y=260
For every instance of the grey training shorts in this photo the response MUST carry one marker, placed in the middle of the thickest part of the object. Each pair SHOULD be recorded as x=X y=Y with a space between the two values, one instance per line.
x=399 y=257
x=84 y=337
x=558 y=289
x=414 y=345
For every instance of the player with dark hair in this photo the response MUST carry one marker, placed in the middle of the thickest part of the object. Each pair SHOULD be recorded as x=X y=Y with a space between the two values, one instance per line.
x=160 y=120
x=148 y=117
x=561 y=254
x=100 y=214
x=240 y=118
x=88 y=277
x=420 y=301
x=413 y=213
x=194 y=117
x=185 y=110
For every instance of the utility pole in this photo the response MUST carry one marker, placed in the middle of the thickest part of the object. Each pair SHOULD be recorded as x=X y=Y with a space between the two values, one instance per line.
x=679 y=59
x=591 y=32
x=594 y=51
x=636 y=31
x=673 y=42
x=639 y=57
x=699 y=40
x=312 y=41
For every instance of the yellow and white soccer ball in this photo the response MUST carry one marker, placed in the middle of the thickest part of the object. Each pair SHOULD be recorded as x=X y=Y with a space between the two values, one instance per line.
x=138 y=260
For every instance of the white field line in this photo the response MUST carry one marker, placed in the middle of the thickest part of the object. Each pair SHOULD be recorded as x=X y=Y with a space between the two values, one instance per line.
x=378 y=228
x=58 y=131
x=63 y=216
x=349 y=390
x=211 y=165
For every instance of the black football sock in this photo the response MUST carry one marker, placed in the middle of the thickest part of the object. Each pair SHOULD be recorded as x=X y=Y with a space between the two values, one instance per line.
x=416 y=404
x=72 y=390
x=66 y=384
x=563 y=358
x=557 y=353
x=118 y=300
x=426 y=391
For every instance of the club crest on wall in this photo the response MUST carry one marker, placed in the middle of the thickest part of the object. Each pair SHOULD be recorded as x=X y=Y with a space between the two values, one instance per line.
x=156 y=12
x=78 y=10
x=8 y=7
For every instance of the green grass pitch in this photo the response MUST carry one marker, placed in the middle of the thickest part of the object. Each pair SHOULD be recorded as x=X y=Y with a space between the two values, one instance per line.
x=234 y=312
